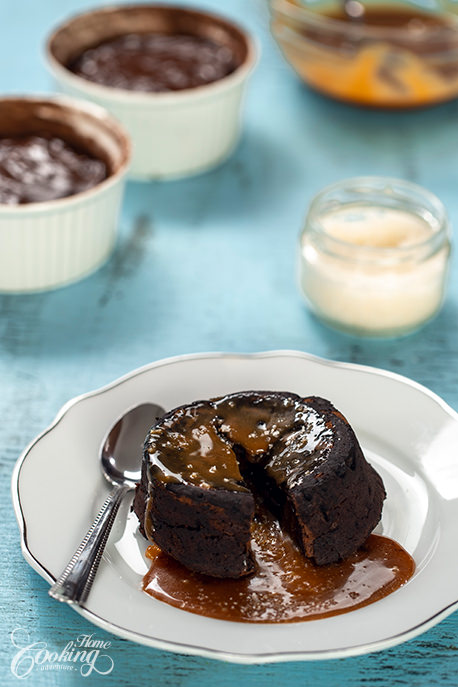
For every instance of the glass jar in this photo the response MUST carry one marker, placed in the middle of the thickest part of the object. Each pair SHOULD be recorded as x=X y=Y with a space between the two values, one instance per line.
x=373 y=256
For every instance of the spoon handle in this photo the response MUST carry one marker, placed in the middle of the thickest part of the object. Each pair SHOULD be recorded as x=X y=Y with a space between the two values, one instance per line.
x=74 y=584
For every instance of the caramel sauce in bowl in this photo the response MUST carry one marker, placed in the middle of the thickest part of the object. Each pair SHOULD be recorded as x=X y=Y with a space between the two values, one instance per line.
x=286 y=587
x=389 y=55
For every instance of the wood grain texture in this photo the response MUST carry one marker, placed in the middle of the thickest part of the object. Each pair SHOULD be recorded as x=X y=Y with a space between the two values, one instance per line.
x=208 y=264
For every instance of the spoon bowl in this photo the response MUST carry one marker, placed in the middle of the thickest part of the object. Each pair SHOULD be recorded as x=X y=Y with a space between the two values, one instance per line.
x=123 y=444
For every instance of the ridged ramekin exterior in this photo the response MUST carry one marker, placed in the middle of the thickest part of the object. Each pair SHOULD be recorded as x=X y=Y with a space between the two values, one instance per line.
x=172 y=137
x=173 y=133
x=46 y=245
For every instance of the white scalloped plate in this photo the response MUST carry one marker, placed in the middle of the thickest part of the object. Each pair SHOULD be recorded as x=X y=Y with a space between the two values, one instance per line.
x=409 y=435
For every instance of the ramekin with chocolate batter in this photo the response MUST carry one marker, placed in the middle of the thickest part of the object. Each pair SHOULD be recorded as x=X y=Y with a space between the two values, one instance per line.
x=62 y=170
x=173 y=76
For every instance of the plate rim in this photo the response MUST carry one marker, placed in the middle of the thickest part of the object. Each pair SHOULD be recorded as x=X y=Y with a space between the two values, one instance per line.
x=191 y=649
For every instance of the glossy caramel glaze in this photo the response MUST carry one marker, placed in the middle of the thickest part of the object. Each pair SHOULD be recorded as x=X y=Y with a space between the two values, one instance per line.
x=155 y=62
x=285 y=587
x=198 y=443
x=36 y=169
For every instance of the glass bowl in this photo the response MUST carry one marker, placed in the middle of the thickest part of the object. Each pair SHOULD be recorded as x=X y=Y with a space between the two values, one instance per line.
x=380 y=54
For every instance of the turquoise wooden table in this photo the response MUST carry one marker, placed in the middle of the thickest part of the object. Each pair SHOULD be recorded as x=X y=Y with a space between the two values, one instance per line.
x=208 y=264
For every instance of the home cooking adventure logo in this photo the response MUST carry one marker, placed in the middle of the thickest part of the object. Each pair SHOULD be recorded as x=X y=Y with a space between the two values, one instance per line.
x=85 y=654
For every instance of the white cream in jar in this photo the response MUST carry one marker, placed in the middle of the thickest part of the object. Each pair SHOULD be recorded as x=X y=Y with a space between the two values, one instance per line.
x=373 y=256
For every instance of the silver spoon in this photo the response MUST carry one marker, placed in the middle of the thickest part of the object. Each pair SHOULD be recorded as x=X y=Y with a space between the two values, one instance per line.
x=120 y=460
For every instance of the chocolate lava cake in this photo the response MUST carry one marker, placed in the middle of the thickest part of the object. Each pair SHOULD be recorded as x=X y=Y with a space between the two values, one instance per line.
x=205 y=463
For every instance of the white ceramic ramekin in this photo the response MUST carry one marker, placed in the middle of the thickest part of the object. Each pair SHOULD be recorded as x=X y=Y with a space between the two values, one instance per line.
x=174 y=134
x=52 y=243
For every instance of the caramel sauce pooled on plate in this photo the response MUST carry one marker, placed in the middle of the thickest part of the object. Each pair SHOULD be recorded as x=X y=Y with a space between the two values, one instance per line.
x=286 y=587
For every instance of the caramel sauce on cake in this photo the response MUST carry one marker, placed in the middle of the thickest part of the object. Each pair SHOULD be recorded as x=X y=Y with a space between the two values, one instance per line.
x=196 y=445
x=205 y=464
x=285 y=587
